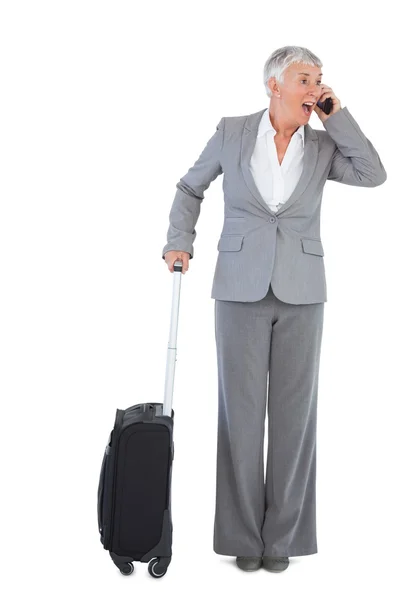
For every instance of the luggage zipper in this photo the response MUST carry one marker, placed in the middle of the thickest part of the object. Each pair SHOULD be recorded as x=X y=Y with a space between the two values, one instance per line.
x=100 y=494
x=116 y=436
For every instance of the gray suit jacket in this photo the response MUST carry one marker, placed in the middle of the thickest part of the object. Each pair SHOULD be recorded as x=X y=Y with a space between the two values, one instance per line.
x=256 y=245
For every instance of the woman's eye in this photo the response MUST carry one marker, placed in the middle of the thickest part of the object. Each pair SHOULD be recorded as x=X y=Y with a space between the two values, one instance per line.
x=306 y=80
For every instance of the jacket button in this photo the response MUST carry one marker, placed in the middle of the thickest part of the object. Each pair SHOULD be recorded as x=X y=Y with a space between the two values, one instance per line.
x=272 y=219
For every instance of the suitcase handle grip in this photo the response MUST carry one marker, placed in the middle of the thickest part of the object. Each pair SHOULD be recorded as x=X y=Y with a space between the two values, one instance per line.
x=178 y=265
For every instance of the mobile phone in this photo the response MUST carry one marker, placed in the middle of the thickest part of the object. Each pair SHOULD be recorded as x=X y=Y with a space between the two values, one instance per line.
x=326 y=106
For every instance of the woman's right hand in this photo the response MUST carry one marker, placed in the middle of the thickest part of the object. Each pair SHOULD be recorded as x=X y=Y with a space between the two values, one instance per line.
x=172 y=256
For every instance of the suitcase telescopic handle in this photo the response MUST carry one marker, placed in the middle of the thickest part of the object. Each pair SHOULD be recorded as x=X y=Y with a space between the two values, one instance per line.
x=173 y=333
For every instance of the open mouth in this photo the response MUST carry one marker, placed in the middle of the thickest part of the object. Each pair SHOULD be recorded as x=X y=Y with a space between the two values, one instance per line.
x=308 y=108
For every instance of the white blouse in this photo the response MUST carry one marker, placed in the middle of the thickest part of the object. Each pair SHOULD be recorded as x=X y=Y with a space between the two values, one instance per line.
x=276 y=182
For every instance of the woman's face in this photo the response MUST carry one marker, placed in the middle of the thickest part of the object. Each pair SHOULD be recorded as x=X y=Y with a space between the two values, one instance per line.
x=302 y=83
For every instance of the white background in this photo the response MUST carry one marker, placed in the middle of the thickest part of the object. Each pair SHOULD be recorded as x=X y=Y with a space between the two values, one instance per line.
x=104 y=106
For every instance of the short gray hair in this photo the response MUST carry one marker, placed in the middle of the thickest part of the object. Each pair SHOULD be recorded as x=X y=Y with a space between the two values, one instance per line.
x=283 y=58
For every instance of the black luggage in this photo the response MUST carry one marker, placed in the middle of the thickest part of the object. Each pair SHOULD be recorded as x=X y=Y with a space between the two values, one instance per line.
x=134 y=493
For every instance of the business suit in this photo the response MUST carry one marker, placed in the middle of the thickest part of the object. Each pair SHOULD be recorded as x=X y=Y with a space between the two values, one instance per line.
x=269 y=289
x=256 y=245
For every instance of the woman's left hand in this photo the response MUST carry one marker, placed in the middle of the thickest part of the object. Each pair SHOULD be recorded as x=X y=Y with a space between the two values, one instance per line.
x=327 y=92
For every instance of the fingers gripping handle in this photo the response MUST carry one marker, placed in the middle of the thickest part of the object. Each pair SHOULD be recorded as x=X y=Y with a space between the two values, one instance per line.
x=173 y=333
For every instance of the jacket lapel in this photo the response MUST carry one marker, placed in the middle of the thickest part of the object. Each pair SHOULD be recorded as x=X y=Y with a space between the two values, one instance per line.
x=249 y=137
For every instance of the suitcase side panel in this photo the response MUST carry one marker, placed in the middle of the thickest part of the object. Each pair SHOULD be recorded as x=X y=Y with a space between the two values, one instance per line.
x=103 y=492
x=106 y=491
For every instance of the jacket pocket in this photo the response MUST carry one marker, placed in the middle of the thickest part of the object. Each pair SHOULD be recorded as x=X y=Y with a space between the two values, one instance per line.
x=230 y=243
x=311 y=246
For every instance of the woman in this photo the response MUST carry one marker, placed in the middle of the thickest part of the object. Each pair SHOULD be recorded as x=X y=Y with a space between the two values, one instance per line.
x=269 y=289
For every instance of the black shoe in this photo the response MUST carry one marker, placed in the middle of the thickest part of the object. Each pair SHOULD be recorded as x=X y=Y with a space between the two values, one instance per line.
x=275 y=564
x=249 y=563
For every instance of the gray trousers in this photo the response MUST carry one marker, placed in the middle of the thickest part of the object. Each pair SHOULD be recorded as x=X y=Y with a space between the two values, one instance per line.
x=256 y=341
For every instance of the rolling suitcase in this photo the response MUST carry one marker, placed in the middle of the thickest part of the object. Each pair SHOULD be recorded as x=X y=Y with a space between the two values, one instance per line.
x=134 y=492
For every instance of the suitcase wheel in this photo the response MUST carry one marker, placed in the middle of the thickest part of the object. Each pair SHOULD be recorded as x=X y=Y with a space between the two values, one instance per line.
x=126 y=568
x=157 y=568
